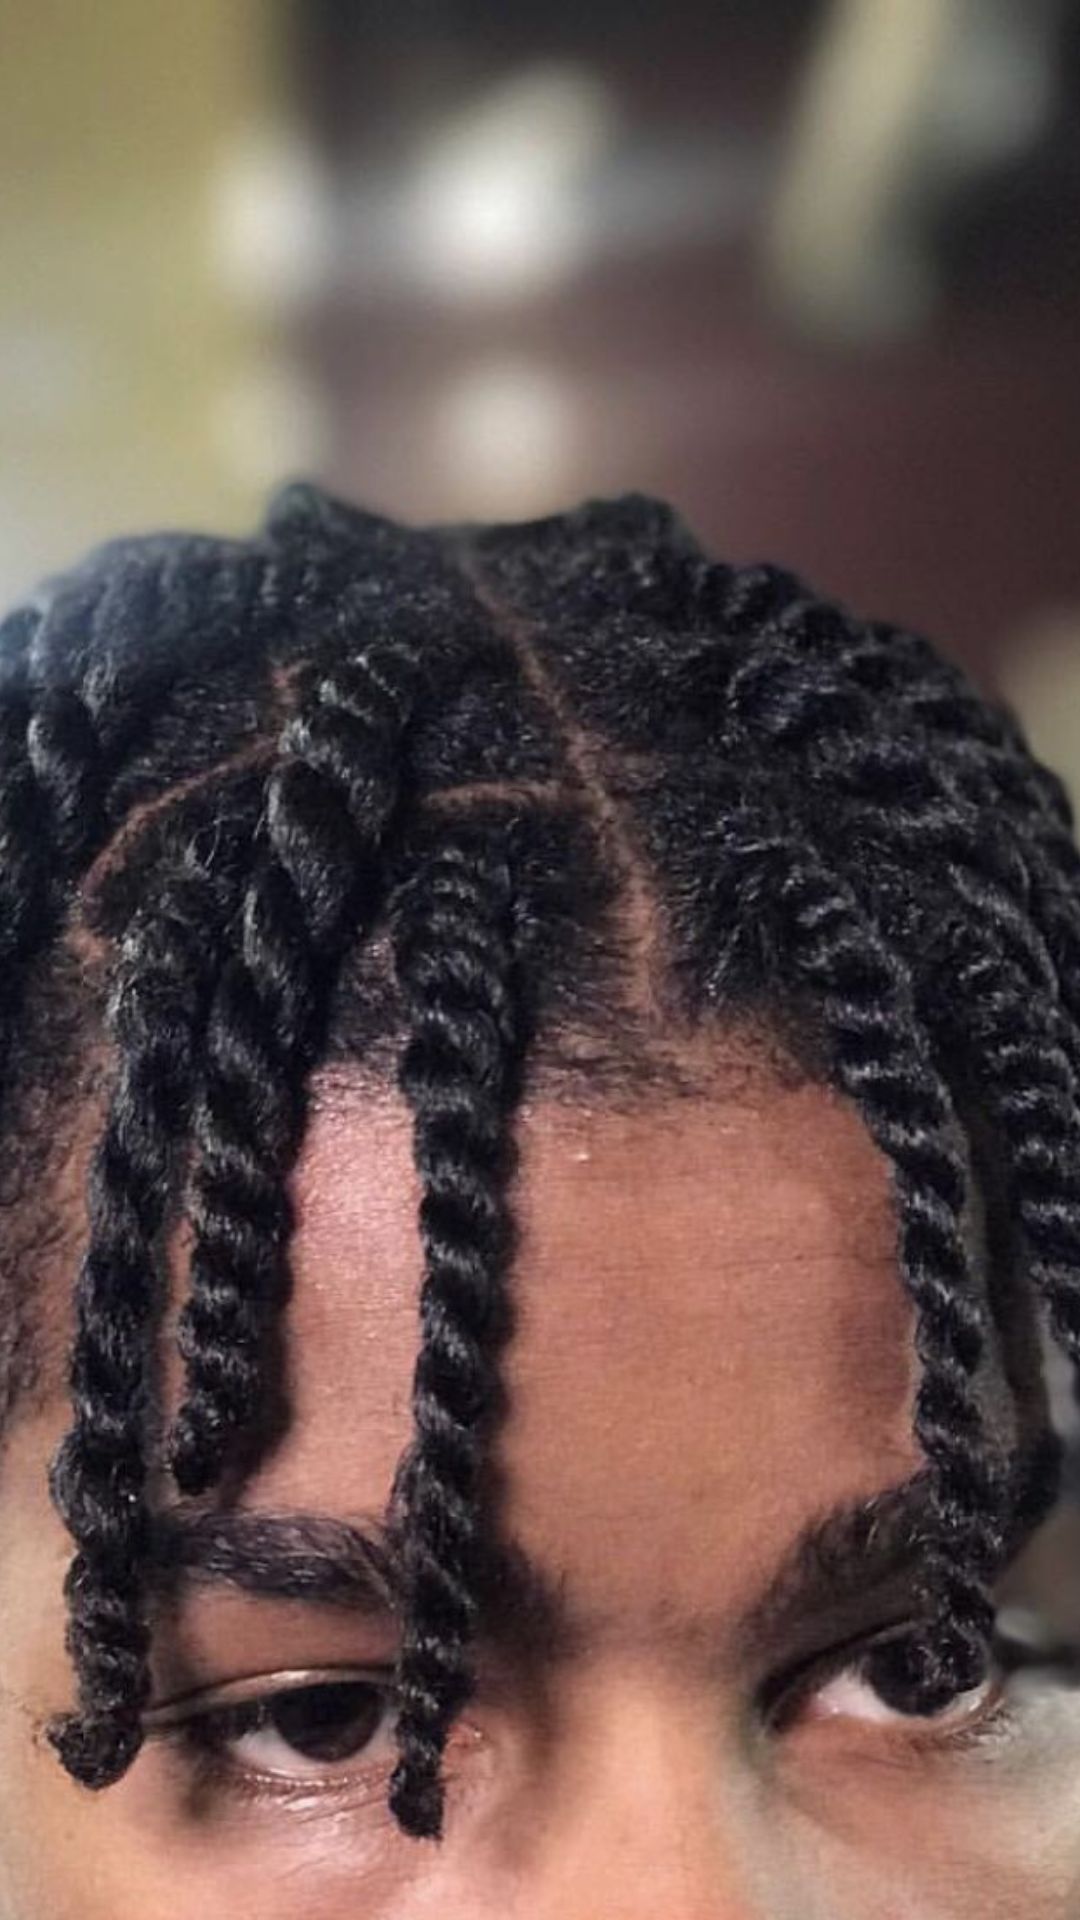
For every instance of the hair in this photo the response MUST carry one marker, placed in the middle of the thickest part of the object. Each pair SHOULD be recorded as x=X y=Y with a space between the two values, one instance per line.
x=459 y=806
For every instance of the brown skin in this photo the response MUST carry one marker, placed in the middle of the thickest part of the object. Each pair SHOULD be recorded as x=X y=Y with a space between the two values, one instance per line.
x=713 y=1351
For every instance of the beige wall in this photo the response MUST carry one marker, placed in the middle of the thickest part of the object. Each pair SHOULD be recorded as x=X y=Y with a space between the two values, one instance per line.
x=118 y=345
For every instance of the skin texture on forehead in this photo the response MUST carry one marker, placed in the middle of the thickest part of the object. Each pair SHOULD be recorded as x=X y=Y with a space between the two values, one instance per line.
x=711 y=1351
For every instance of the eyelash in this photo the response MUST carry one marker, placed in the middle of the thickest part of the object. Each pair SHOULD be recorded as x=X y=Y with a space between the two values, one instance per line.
x=921 y=1736
x=199 y=1735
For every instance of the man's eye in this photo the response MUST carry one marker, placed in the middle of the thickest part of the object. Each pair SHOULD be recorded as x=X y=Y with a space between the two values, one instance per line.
x=844 y=1690
x=851 y=1694
x=302 y=1732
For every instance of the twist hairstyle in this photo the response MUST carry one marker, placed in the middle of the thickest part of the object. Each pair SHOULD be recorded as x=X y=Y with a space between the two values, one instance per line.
x=461 y=806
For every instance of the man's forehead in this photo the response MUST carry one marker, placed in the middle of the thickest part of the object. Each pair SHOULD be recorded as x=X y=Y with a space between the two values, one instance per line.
x=759 y=1200
x=708 y=1318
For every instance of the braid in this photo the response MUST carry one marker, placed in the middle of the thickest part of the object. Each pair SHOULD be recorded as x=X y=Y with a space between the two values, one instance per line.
x=99 y=1476
x=316 y=878
x=68 y=715
x=888 y=790
x=28 y=892
x=1011 y=1049
x=454 y=959
x=1013 y=796
x=49 y=807
x=880 y=1058
x=1022 y=1044
x=62 y=747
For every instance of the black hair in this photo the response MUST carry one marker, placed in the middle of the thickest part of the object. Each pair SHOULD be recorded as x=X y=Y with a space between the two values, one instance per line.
x=467 y=804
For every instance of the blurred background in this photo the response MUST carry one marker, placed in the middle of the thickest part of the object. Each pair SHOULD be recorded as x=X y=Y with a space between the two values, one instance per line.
x=808 y=268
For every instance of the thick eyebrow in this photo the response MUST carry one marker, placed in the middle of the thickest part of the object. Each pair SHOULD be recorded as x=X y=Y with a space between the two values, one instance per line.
x=839 y=1566
x=313 y=1558
x=834 y=1565
x=868 y=1552
x=321 y=1560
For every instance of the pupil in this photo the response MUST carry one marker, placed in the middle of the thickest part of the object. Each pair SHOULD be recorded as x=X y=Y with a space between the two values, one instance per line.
x=900 y=1675
x=330 y=1722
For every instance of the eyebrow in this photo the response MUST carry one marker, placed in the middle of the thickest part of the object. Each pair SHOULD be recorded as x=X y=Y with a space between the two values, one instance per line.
x=841 y=1565
x=312 y=1558
x=869 y=1552
x=323 y=1561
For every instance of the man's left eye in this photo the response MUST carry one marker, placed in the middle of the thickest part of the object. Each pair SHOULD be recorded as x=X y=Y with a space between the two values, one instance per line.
x=844 y=1688
x=850 y=1694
